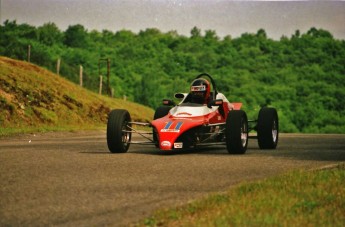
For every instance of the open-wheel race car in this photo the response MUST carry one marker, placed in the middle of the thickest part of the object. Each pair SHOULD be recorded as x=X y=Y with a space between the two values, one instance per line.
x=204 y=116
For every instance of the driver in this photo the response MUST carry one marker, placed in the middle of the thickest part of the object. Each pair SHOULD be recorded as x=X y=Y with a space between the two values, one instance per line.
x=200 y=91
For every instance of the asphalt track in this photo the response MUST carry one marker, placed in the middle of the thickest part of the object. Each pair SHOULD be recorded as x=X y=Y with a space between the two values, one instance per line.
x=70 y=179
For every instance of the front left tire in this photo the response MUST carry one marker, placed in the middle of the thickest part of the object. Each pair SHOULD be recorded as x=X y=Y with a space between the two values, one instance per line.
x=268 y=128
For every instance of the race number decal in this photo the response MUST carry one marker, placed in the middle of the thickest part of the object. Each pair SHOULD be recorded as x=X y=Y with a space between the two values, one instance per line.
x=172 y=127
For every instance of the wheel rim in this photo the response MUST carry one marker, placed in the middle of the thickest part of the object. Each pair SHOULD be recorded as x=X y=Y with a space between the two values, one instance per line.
x=244 y=134
x=126 y=135
x=274 y=131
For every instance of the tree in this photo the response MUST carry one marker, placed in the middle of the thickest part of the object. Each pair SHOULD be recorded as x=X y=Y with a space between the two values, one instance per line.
x=76 y=36
x=14 y=39
x=261 y=34
x=195 y=32
x=318 y=33
x=49 y=34
x=211 y=35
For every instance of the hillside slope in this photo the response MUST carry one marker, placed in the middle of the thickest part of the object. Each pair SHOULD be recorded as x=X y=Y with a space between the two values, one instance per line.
x=34 y=99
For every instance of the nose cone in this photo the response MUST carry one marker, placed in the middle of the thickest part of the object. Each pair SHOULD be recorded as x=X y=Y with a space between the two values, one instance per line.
x=168 y=131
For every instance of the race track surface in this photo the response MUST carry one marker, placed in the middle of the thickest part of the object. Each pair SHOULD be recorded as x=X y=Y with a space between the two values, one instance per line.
x=70 y=179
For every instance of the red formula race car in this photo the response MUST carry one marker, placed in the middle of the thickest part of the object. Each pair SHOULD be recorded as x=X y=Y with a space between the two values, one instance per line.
x=203 y=117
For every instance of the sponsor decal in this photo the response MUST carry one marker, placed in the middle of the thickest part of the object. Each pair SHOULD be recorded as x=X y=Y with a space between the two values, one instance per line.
x=168 y=127
x=178 y=145
x=165 y=144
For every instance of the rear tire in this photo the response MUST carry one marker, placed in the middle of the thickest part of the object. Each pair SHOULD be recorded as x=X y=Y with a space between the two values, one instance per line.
x=161 y=112
x=236 y=132
x=268 y=128
x=117 y=138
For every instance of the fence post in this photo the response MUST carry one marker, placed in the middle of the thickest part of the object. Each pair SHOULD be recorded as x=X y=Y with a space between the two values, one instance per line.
x=81 y=75
x=58 y=66
x=29 y=52
x=100 y=84
x=110 y=91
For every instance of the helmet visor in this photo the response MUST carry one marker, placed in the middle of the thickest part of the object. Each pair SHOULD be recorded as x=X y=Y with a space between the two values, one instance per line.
x=198 y=88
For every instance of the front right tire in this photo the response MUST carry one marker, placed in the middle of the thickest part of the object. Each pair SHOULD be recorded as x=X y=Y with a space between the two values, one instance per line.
x=236 y=132
x=118 y=131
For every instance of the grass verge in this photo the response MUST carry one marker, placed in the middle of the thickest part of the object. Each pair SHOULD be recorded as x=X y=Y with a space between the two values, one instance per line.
x=298 y=198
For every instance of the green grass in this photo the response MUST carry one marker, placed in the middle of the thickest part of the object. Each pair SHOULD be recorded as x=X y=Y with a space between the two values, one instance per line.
x=33 y=99
x=299 y=198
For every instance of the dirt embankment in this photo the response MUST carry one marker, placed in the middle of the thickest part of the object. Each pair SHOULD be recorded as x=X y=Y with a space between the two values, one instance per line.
x=31 y=96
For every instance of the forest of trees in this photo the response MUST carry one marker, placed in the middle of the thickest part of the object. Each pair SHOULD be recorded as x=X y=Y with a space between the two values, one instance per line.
x=303 y=76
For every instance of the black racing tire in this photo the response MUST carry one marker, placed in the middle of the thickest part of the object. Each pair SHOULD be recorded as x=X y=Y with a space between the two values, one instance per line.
x=236 y=133
x=118 y=135
x=268 y=128
x=160 y=112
